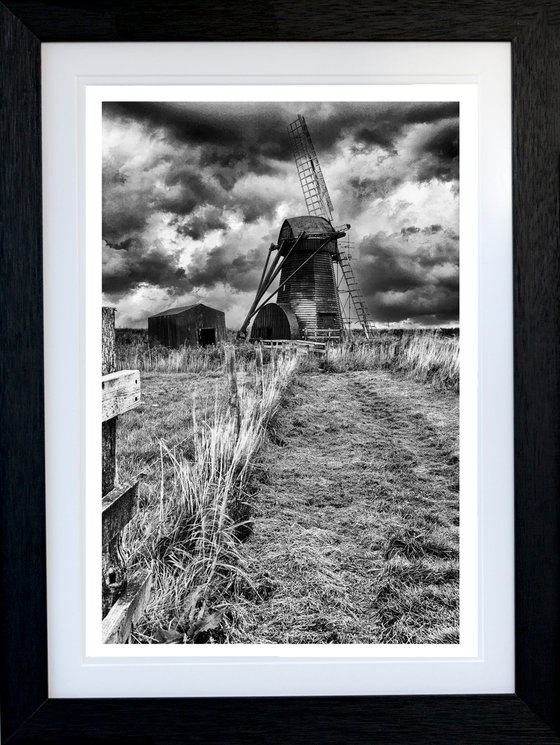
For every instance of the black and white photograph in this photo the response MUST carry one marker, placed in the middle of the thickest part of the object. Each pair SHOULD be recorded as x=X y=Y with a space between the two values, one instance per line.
x=280 y=373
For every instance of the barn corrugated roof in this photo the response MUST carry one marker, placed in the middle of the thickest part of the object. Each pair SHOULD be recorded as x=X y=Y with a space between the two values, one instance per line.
x=182 y=309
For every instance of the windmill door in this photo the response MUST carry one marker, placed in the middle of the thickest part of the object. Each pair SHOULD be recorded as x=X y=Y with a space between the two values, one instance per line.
x=327 y=320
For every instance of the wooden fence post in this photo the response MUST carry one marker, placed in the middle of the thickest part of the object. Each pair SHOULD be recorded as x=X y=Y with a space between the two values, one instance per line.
x=259 y=369
x=109 y=427
x=233 y=400
x=113 y=580
x=123 y=599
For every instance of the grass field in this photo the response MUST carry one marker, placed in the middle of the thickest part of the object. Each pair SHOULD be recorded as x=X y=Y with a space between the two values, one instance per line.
x=356 y=522
x=331 y=518
x=426 y=355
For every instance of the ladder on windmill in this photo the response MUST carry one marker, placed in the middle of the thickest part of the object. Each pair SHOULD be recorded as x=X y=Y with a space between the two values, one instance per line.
x=318 y=203
x=355 y=293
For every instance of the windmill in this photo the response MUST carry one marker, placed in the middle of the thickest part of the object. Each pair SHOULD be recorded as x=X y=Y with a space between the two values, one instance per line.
x=313 y=300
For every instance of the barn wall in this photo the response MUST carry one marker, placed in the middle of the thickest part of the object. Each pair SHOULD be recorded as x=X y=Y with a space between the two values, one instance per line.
x=190 y=321
x=182 y=328
x=161 y=331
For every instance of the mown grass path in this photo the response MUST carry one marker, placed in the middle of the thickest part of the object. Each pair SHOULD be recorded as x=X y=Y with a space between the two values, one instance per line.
x=355 y=535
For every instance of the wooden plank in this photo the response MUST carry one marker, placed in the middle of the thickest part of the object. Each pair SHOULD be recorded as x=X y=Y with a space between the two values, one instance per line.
x=108 y=428
x=118 y=508
x=118 y=623
x=315 y=346
x=121 y=392
x=233 y=401
x=108 y=341
x=108 y=455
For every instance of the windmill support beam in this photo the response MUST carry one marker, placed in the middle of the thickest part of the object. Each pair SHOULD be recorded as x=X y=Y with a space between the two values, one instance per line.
x=276 y=268
x=242 y=333
x=265 y=267
x=263 y=274
x=306 y=261
x=265 y=283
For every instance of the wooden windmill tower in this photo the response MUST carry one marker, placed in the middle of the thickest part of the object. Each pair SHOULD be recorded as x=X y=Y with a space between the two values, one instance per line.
x=309 y=292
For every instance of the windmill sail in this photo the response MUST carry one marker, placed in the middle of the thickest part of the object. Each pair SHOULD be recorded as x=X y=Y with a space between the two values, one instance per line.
x=318 y=203
x=315 y=190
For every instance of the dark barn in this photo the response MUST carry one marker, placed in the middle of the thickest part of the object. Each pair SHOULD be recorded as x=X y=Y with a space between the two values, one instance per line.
x=190 y=324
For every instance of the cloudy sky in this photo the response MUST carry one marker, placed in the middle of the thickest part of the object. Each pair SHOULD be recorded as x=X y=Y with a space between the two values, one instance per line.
x=194 y=193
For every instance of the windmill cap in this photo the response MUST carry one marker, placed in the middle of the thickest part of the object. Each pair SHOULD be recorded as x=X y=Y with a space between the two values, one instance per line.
x=292 y=227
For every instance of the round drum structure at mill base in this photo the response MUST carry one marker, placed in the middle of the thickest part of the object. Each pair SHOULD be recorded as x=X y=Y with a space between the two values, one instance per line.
x=275 y=321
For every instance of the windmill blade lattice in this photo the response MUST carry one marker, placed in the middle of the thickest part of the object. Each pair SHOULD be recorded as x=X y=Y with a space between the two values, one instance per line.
x=315 y=190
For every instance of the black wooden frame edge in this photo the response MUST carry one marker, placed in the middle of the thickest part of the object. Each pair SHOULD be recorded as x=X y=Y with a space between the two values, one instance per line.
x=434 y=720
x=532 y=29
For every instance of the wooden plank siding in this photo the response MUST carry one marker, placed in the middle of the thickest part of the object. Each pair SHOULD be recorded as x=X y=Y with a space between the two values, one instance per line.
x=118 y=508
x=311 y=293
x=120 y=393
x=275 y=321
x=118 y=623
x=178 y=326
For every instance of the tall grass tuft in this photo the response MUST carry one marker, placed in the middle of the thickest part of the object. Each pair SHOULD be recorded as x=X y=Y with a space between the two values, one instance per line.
x=189 y=534
x=428 y=357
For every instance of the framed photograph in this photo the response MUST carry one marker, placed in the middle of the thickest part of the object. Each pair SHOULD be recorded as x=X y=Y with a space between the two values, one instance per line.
x=260 y=309
x=256 y=497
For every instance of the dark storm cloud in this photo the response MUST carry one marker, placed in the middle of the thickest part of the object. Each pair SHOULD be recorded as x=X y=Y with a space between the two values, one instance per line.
x=125 y=245
x=424 y=306
x=227 y=133
x=198 y=225
x=256 y=132
x=389 y=121
x=189 y=175
x=192 y=190
x=241 y=273
x=147 y=265
x=213 y=171
x=438 y=153
x=426 y=154
x=375 y=188
x=411 y=275
x=156 y=267
x=223 y=142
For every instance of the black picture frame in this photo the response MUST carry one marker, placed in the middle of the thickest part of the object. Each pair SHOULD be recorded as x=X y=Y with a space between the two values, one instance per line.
x=532 y=715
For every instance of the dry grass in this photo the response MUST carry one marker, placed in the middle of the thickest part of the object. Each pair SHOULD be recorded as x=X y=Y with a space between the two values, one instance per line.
x=428 y=357
x=190 y=528
x=356 y=534
x=353 y=540
x=134 y=352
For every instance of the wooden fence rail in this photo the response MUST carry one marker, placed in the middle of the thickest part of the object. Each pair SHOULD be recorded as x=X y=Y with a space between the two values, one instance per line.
x=123 y=598
x=317 y=347
x=334 y=335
